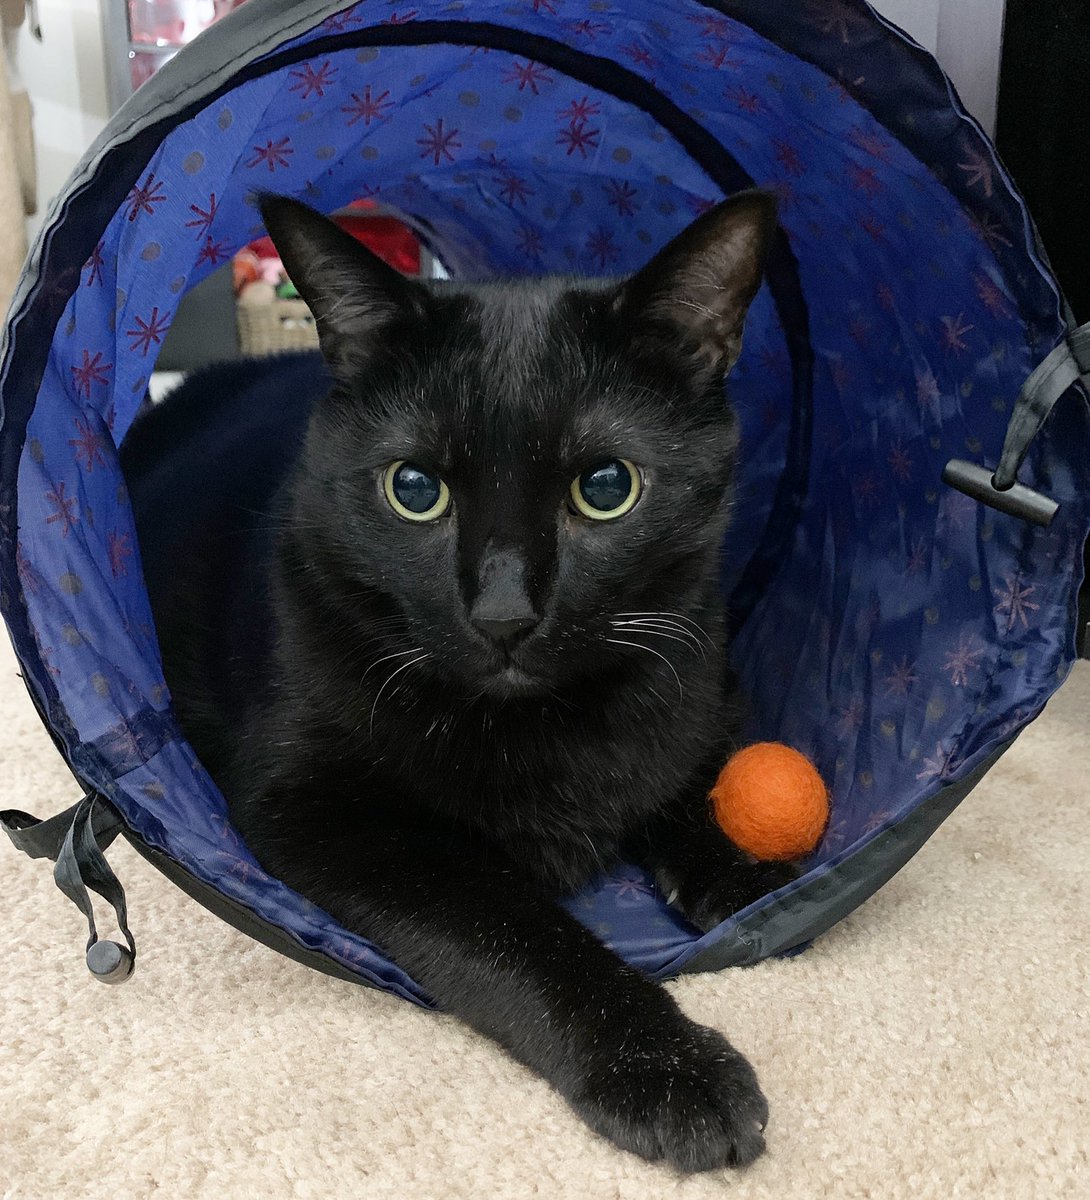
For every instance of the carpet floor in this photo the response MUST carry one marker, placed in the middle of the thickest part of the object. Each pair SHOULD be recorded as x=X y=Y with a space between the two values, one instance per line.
x=935 y=1044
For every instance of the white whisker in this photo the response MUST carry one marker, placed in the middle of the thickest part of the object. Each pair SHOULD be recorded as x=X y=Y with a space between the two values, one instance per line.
x=641 y=646
x=386 y=684
x=689 y=642
x=387 y=657
x=678 y=617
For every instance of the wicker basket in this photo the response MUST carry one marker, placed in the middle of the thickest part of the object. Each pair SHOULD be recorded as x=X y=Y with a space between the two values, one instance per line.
x=275 y=327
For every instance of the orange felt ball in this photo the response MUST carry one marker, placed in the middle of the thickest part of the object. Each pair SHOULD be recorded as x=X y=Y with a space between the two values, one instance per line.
x=770 y=801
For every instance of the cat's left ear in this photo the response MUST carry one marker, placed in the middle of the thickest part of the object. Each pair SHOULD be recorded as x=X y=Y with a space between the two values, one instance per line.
x=699 y=287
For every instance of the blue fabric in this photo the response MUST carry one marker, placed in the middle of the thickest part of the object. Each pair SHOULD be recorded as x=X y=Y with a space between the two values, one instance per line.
x=903 y=632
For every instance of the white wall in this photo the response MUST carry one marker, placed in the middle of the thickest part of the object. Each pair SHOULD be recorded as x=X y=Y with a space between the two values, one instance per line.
x=920 y=18
x=65 y=74
x=66 y=79
x=966 y=36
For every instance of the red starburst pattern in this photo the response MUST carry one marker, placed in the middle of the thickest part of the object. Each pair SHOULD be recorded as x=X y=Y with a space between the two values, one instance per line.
x=28 y=577
x=94 y=264
x=917 y=557
x=368 y=107
x=788 y=158
x=867 y=490
x=640 y=55
x=272 y=154
x=963 y=659
x=589 y=29
x=118 y=548
x=214 y=253
x=850 y=719
x=578 y=137
x=580 y=110
x=551 y=7
x=748 y=102
x=621 y=195
x=774 y=363
x=339 y=22
x=785 y=193
x=871 y=143
x=438 y=143
x=990 y=230
x=952 y=336
x=401 y=18
x=991 y=295
x=65 y=506
x=91 y=371
x=1014 y=602
x=940 y=763
x=629 y=889
x=899 y=462
x=711 y=26
x=865 y=180
x=842 y=375
x=601 y=248
x=144 y=197
x=873 y=228
x=837 y=18
x=87 y=445
x=150 y=332
x=313 y=83
x=979 y=170
x=859 y=331
x=528 y=75
x=902 y=677
x=528 y=242
x=717 y=57
x=514 y=189
x=203 y=217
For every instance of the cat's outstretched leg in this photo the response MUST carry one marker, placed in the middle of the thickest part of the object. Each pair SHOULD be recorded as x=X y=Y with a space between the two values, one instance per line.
x=500 y=953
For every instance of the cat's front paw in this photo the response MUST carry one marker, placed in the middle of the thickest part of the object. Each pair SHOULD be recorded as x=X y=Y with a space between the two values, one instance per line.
x=706 y=903
x=683 y=1095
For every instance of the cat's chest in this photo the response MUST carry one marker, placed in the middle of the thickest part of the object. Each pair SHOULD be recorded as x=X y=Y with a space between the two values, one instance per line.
x=555 y=767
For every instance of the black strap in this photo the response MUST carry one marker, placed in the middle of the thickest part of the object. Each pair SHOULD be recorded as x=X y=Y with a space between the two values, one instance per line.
x=75 y=839
x=1068 y=364
x=44 y=839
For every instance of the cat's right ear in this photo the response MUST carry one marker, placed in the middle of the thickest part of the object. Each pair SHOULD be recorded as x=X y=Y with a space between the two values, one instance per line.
x=351 y=292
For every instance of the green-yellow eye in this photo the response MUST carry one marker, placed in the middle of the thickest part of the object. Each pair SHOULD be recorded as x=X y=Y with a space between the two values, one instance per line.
x=413 y=493
x=607 y=490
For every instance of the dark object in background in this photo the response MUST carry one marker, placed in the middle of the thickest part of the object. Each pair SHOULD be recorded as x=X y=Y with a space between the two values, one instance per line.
x=203 y=330
x=1043 y=130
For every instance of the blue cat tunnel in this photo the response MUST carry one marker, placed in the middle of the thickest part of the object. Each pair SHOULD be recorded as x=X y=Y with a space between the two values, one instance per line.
x=898 y=630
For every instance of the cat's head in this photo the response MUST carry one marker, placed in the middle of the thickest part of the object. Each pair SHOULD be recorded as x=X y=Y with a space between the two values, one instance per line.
x=521 y=478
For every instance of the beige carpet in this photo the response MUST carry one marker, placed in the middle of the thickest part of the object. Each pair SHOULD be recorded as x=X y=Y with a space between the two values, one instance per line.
x=936 y=1044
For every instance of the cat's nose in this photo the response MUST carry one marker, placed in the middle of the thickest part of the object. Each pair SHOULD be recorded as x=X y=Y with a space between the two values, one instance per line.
x=506 y=632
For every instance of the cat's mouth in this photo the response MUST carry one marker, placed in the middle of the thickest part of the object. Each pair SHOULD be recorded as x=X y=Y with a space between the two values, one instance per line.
x=511 y=680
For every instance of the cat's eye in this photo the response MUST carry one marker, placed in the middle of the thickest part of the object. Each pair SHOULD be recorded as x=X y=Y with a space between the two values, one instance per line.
x=413 y=493
x=607 y=490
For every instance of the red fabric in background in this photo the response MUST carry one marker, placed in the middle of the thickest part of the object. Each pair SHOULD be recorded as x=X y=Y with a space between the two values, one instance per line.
x=393 y=242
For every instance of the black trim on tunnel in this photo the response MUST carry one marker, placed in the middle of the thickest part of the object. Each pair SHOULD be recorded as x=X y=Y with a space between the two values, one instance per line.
x=86 y=213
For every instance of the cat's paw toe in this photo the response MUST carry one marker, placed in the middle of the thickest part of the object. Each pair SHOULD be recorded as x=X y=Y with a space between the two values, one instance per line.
x=688 y=1098
x=709 y=905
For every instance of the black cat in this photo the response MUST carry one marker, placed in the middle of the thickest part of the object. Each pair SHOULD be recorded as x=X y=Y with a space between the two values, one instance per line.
x=439 y=611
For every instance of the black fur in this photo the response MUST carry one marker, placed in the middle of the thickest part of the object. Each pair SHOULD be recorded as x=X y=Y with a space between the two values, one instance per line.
x=440 y=804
